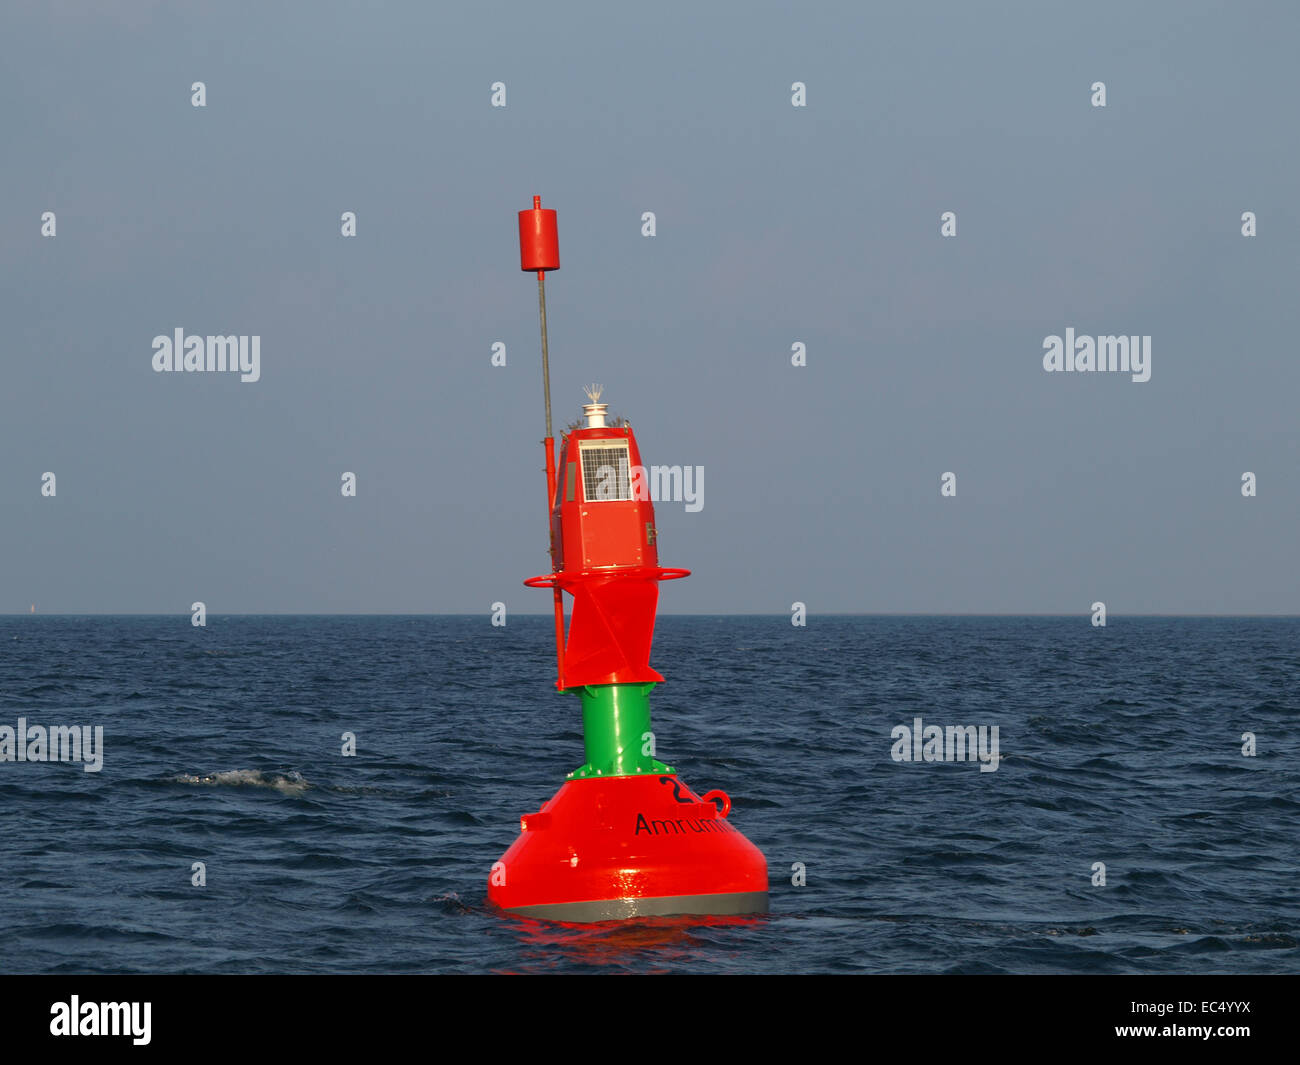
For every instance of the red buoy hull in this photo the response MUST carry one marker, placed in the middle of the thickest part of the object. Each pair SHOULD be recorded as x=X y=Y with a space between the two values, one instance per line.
x=616 y=847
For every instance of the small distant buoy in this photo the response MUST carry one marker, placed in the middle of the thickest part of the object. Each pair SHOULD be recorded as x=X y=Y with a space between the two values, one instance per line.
x=624 y=836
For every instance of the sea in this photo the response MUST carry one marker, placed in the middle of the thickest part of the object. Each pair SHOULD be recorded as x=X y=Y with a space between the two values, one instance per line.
x=1137 y=809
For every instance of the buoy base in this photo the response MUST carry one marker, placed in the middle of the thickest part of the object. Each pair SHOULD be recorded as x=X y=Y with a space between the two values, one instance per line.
x=667 y=906
x=613 y=848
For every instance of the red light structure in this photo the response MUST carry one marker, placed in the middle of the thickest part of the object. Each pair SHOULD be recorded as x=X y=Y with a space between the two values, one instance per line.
x=624 y=836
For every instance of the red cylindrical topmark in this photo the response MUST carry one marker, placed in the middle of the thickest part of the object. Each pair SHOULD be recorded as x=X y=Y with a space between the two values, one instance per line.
x=539 y=239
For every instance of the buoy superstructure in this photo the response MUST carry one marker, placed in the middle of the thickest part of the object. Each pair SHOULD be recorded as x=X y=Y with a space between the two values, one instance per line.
x=624 y=836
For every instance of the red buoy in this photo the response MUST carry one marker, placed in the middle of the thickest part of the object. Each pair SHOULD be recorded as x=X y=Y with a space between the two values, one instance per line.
x=624 y=837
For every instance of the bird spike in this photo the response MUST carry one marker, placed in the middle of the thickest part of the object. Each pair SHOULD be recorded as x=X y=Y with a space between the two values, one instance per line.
x=593 y=392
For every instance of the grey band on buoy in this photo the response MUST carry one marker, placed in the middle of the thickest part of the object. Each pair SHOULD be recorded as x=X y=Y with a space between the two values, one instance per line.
x=740 y=902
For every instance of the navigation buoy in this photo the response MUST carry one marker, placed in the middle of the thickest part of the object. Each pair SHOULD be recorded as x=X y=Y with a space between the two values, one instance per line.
x=624 y=836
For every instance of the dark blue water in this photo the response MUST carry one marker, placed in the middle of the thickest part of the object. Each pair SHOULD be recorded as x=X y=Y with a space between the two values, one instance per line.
x=1120 y=745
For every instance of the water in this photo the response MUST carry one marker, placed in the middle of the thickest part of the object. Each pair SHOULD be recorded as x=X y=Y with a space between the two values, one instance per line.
x=222 y=745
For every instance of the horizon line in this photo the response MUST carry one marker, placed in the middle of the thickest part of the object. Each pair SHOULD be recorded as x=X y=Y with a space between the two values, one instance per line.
x=686 y=614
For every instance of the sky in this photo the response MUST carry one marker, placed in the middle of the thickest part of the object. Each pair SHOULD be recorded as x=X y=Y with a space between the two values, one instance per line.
x=775 y=225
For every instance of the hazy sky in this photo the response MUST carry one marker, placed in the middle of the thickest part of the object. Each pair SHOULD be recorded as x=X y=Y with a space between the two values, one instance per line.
x=775 y=224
